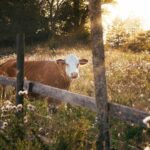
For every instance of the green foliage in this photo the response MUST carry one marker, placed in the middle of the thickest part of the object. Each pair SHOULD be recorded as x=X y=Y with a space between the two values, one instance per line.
x=133 y=133
x=41 y=19
x=72 y=39
x=53 y=43
x=73 y=15
x=19 y=16
x=127 y=136
x=17 y=127
x=70 y=128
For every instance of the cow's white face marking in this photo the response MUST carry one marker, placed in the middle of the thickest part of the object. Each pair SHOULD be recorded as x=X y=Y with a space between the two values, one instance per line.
x=71 y=63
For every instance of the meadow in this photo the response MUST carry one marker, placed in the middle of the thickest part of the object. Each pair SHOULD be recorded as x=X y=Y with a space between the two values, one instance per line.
x=74 y=128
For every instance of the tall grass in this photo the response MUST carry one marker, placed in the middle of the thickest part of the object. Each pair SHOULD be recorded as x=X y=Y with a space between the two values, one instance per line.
x=74 y=128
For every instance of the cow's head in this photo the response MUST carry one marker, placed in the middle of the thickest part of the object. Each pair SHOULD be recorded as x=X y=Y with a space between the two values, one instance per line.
x=72 y=63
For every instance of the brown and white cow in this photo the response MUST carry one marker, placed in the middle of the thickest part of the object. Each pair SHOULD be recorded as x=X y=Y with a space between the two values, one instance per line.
x=57 y=73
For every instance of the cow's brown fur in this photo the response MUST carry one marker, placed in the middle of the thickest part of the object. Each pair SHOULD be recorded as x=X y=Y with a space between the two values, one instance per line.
x=9 y=68
x=46 y=72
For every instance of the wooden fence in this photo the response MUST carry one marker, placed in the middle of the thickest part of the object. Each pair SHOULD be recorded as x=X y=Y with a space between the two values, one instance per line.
x=121 y=112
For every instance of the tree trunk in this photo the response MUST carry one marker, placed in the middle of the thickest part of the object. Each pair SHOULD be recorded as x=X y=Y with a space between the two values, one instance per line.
x=76 y=7
x=103 y=140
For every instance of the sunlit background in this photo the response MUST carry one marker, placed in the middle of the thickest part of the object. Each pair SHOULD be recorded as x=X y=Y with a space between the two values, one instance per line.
x=129 y=8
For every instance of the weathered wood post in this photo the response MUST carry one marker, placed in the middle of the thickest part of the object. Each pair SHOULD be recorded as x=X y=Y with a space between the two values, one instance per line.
x=20 y=46
x=103 y=139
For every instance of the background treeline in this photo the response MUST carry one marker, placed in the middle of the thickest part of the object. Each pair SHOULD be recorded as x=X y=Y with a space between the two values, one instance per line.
x=67 y=22
x=128 y=35
x=41 y=19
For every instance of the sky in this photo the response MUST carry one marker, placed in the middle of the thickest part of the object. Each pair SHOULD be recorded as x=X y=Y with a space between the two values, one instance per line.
x=130 y=8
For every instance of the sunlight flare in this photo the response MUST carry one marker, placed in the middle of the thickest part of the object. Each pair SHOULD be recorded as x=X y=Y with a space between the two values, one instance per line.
x=130 y=8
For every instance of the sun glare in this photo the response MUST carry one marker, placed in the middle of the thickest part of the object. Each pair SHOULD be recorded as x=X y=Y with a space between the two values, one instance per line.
x=131 y=8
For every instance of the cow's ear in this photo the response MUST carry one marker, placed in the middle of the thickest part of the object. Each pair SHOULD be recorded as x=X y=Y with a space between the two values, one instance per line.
x=83 y=61
x=60 y=61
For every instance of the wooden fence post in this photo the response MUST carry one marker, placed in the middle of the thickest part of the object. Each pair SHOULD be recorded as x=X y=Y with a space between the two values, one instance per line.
x=103 y=139
x=20 y=46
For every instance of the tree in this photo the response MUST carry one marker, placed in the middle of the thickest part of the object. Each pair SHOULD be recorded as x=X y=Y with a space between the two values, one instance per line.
x=19 y=15
x=121 y=31
x=66 y=16
x=73 y=15
x=141 y=42
x=103 y=141
x=41 y=19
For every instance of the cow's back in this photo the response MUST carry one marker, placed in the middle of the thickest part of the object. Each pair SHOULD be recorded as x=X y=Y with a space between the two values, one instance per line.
x=9 y=68
x=47 y=72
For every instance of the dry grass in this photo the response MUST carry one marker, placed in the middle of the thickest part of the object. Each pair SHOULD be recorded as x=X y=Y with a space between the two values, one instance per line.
x=128 y=74
x=128 y=82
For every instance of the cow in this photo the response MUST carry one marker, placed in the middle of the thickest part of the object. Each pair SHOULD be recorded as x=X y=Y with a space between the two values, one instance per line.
x=7 y=69
x=57 y=73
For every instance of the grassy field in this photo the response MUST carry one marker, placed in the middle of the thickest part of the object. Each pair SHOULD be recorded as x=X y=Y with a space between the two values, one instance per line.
x=128 y=83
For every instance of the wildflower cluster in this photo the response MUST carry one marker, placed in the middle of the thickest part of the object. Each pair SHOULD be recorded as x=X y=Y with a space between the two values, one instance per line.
x=146 y=121
x=21 y=122
x=6 y=110
x=9 y=110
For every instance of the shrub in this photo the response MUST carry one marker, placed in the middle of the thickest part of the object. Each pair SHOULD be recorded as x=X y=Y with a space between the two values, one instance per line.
x=67 y=129
x=17 y=127
x=140 y=43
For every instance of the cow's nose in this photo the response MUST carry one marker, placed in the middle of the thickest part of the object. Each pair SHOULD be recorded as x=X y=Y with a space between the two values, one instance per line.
x=74 y=75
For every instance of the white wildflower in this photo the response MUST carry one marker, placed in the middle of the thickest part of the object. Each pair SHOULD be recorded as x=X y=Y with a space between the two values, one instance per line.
x=3 y=115
x=14 y=108
x=26 y=119
x=7 y=102
x=30 y=107
x=41 y=129
x=147 y=121
x=5 y=124
x=8 y=107
x=19 y=107
x=3 y=109
x=47 y=133
x=141 y=95
x=25 y=92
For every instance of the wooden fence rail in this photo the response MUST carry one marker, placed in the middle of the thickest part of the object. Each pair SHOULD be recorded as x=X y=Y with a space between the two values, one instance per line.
x=118 y=111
